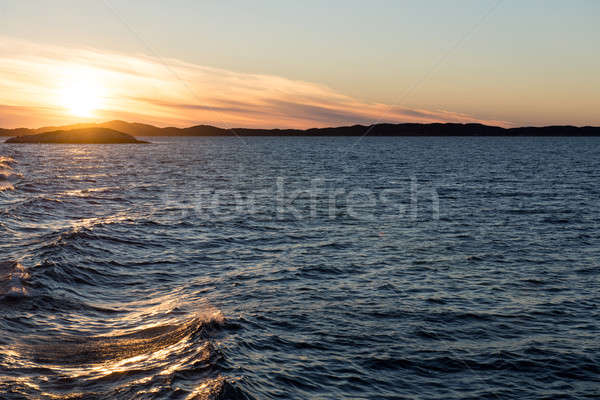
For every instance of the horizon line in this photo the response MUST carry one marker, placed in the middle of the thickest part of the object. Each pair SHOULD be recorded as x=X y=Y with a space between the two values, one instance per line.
x=61 y=127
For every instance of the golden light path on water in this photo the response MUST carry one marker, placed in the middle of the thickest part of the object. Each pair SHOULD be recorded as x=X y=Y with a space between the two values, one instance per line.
x=136 y=352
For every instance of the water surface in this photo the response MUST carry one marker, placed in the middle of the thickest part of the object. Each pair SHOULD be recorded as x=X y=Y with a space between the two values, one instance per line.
x=122 y=277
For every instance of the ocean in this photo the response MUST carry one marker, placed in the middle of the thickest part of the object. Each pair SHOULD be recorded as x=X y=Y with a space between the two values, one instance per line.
x=301 y=268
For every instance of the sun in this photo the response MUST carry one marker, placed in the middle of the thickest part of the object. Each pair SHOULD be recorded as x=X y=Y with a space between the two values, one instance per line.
x=81 y=94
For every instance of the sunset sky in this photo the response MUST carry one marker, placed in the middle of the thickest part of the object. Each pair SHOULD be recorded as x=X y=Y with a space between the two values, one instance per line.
x=299 y=64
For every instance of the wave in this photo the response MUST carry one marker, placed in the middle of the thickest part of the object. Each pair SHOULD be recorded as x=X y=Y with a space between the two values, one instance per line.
x=7 y=161
x=176 y=358
x=101 y=349
x=7 y=175
x=12 y=279
x=217 y=389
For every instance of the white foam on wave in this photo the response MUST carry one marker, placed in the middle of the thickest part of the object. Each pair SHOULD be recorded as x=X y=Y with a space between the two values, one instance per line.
x=7 y=175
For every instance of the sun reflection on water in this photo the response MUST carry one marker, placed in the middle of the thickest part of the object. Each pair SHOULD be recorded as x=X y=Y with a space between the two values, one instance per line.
x=141 y=356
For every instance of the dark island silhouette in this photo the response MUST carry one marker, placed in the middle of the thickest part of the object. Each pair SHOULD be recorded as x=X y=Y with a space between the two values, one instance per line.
x=383 y=129
x=78 y=136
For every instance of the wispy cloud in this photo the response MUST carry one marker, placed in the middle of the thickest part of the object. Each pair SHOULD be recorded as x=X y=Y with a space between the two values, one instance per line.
x=141 y=88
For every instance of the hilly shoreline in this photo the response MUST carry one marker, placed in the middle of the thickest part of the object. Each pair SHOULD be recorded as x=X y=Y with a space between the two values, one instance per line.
x=384 y=129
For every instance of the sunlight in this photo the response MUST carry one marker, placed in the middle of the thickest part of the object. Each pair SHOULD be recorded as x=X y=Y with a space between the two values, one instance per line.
x=81 y=94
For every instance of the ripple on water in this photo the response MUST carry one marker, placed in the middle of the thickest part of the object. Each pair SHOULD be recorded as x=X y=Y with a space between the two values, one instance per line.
x=12 y=279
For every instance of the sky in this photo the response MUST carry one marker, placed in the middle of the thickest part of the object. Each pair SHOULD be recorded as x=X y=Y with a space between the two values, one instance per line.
x=299 y=64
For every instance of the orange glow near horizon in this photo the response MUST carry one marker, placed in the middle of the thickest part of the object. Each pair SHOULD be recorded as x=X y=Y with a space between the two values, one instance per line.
x=43 y=85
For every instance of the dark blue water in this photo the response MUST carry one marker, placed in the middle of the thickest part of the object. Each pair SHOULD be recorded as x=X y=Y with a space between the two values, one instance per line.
x=297 y=268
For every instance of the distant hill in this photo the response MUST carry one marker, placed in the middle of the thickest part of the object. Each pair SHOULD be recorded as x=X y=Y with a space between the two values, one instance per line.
x=407 y=129
x=78 y=136
x=130 y=128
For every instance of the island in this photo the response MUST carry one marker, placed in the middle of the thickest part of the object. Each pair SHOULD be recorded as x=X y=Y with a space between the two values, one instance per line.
x=78 y=136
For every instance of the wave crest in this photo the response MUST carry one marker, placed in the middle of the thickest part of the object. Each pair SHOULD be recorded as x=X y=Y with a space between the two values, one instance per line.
x=7 y=175
x=102 y=349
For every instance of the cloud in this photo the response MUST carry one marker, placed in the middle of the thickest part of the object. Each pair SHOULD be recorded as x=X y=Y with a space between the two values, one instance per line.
x=183 y=106
x=141 y=88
